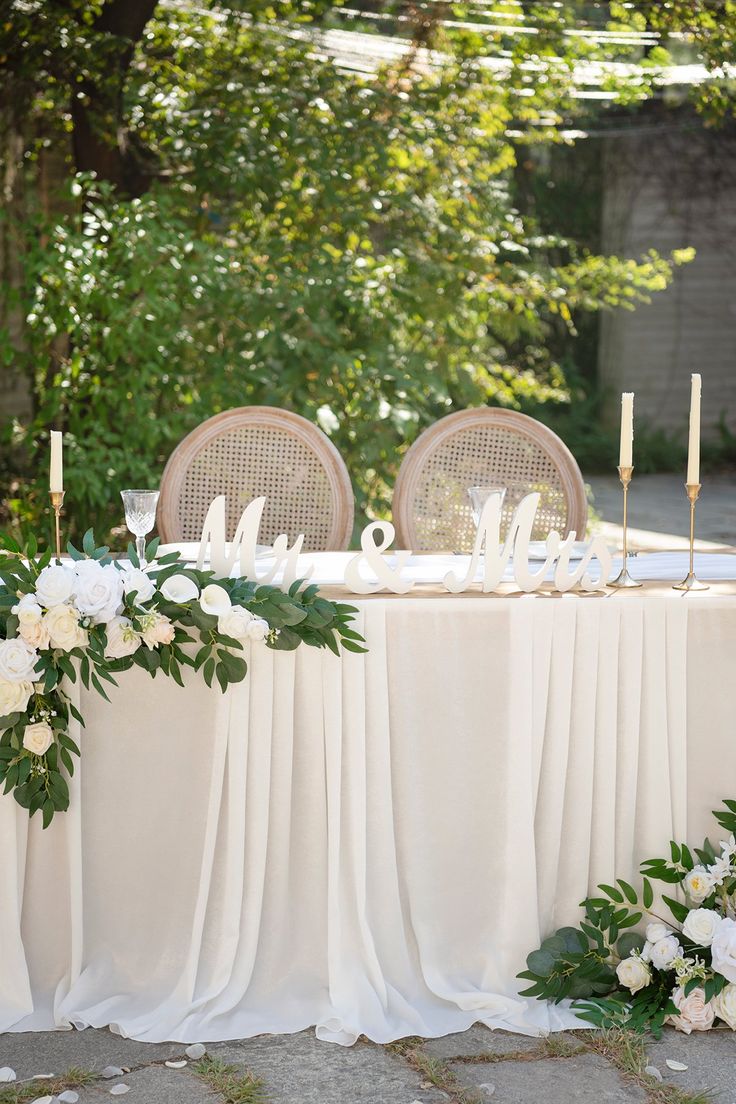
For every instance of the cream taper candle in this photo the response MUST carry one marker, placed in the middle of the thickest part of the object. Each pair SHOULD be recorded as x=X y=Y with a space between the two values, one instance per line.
x=626 y=448
x=693 y=453
x=56 y=478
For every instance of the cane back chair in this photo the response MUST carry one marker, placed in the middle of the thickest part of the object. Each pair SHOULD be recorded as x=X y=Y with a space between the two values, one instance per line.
x=487 y=446
x=253 y=451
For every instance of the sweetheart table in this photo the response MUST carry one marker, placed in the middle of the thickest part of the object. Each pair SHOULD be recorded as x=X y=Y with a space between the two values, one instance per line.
x=372 y=843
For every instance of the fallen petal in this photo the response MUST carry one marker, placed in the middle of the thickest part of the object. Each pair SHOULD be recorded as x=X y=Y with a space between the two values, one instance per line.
x=43 y=1100
x=68 y=1097
x=653 y=1072
x=196 y=1050
x=42 y=1077
x=7 y=1074
x=488 y=1088
x=176 y=1065
x=111 y=1071
x=118 y=1090
x=673 y=1065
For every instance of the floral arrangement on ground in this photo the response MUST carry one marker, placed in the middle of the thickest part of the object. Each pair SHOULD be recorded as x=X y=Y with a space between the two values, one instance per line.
x=94 y=616
x=681 y=971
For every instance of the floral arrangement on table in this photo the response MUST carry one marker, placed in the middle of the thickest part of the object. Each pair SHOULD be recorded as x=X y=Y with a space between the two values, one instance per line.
x=95 y=616
x=681 y=971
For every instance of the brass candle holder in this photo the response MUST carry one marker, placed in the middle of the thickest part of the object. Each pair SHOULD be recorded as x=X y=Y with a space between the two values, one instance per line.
x=690 y=582
x=623 y=579
x=57 y=501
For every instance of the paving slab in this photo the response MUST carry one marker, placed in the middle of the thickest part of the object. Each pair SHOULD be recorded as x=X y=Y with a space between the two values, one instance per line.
x=299 y=1069
x=659 y=515
x=154 y=1085
x=479 y=1040
x=710 y=1057
x=55 y=1051
x=583 y=1078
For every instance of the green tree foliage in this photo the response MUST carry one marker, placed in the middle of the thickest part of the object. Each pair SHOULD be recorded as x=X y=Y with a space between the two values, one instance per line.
x=240 y=219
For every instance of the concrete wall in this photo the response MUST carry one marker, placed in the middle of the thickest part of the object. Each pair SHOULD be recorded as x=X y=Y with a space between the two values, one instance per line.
x=668 y=186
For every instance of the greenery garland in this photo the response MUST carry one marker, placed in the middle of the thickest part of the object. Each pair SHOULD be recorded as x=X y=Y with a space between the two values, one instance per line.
x=95 y=616
x=681 y=971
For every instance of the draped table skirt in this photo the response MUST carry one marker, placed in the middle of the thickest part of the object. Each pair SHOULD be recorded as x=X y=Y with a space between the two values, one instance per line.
x=370 y=844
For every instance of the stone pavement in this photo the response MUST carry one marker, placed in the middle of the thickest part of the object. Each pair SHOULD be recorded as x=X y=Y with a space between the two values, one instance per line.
x=468 y=1068
x=659 y=513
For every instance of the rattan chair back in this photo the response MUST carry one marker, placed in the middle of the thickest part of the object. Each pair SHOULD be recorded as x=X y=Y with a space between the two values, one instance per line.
x=253 y=451
x=487 y=446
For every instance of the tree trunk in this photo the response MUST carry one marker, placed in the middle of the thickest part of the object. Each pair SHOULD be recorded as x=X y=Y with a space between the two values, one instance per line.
x=101 y=141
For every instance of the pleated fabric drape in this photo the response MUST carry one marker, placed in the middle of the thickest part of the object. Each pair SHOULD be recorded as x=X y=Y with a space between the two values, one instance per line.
x=370 y=844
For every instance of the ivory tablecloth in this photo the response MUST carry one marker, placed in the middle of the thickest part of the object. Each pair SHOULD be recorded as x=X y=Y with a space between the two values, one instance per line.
x=367 y=844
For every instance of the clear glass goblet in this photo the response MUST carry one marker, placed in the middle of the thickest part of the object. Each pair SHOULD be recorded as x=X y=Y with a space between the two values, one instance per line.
x=140 y=517
x=479 y=496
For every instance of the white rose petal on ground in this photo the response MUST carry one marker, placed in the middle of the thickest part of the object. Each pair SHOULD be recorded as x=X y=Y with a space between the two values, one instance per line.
x=488 y=1088
x=68 y=1097
x=118 y=1090
x=653 y=1072
x=673 y=1065
x=195 y=1051
x=43 y=1100
x=111 y=1071
x=177 y=1065
x=7 y=1074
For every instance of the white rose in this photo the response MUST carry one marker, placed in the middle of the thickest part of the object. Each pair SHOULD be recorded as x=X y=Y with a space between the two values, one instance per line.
x=724 y=1005
x=36 y=635
x=215 y=599
x=664 y=952
x=700 y=926
x=136 y=580
x=697 y=884
x=258 y=629
x=156 y=629
x=65 y=632
x=695 y=1013
x=14 y=696
x=122 y=639
x=179 y=589
x=54 y=585
x=235 y=623
x=98 y=591
x=17 y=660
x=38 y=738
x=28 y=610
x=657 y=931
x=634 y=973
x=723 y=949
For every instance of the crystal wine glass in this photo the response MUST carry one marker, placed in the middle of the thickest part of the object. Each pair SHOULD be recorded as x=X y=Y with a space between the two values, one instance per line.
x=479 y=496
x=140 y=517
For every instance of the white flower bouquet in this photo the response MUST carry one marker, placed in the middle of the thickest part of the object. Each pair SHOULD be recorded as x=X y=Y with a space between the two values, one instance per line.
x=680 y=970
x=95 y=616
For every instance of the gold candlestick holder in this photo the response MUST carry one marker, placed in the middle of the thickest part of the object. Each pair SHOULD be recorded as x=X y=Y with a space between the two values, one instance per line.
x=623 y=579
x=57 y=501
x=690 y=582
